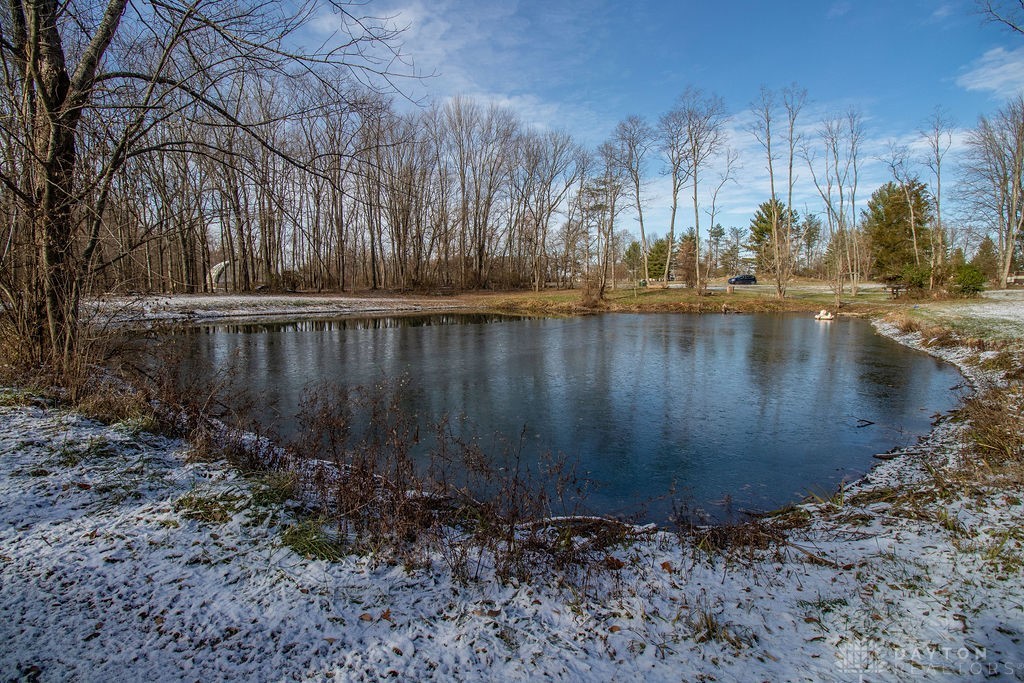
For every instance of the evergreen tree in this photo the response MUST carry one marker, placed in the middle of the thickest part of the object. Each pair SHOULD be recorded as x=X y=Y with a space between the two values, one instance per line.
x=657 y=257
x=716 y=235
x=900 y=243
x=732 y=257
x=634 y=260
x=762 y=242
x=684 y=257
x=986 y=259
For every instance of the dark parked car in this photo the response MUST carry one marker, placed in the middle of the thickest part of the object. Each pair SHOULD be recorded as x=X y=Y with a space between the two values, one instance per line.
x=743 y=280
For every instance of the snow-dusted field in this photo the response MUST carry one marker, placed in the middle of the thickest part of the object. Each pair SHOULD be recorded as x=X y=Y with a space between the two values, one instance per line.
x=106 y=573
x=198 y=308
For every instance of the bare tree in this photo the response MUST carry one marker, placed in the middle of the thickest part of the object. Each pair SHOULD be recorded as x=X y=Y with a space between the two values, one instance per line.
x=481 y=139
x=994 y=177
x=672 y=140
x=793 y=100
x=633 y=139
x=560 y=168
x=898 y=161
x=1008 y=13
x=836 y=175
x=702 y=118
x=939 y=137
x=766 y=110
x=121 y=68
x=724 y=177
x=601 y=206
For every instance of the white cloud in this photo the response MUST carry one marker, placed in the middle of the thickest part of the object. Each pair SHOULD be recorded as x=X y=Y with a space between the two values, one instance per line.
x=942 y=12
x=999 y=71
x=839 y=9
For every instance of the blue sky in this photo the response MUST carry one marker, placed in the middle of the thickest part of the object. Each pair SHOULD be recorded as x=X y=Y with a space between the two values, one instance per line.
x=583 y=65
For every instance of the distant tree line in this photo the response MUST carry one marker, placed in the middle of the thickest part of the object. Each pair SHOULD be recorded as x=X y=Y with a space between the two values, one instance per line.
x=172 y=147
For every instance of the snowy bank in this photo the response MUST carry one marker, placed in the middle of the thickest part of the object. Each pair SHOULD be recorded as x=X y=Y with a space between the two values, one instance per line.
x=121 y=559
x=202 y=308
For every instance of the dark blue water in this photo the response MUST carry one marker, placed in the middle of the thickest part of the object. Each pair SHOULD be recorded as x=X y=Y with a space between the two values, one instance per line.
x=733 y=412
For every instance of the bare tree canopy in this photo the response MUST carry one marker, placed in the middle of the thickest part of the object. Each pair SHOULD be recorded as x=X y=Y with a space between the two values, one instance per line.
x=632 y=142
x=696 y=125
x=994 y=178
x=85 y=85
x=1009 y=13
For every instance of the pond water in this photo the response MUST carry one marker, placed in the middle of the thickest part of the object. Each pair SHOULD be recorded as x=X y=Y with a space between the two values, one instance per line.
x=732 y=412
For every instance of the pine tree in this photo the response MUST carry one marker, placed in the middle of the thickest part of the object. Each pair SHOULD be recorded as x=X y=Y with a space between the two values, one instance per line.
x=900 y=242
x=762 y=242
x=986 y=259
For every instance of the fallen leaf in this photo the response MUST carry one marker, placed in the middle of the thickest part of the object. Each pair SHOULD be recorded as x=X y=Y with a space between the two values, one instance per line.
x=667 y=566
x=365 y=616
x=613 y=562
x=615 y=629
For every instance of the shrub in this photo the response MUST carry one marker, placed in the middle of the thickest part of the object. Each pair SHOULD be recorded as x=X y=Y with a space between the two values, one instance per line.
x=916 y=277
x=968 y=280
x=591 y=294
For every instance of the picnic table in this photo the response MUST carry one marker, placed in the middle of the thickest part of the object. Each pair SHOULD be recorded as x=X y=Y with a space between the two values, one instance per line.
x=895 y=290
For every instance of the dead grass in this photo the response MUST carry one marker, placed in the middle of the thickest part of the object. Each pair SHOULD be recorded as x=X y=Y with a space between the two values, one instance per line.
x=1007 y=362
x=935 y=335
x=208 y=507
x=364 y=469
x=626 y=299
x=995 y=421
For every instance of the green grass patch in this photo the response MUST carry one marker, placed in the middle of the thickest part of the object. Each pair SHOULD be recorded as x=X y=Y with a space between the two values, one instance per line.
x=274 y=488
x=310 y=539
x=138 y=424
x=1005 y=552
x=823 y=605
x=96 y=448
x=10 y=398
x=212 y=508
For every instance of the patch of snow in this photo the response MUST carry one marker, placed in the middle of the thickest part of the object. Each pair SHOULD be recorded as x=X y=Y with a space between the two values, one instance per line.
x=118 y=311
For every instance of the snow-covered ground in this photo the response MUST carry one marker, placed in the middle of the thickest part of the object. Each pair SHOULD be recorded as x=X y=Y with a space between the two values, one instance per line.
x=997 y=314
x=120 y=560
x=197 y=308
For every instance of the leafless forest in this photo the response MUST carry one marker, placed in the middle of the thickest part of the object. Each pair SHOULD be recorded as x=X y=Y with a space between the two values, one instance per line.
x=177 y=147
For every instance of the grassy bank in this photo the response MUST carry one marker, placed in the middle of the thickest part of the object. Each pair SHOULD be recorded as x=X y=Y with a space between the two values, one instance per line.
x=804 y=297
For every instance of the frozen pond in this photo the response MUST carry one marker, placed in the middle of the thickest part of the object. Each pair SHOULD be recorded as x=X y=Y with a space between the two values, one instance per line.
x=732 y=412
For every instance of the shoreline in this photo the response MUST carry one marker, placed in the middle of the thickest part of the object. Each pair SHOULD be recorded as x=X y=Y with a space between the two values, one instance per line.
x=899 y=575
x=213 y=309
